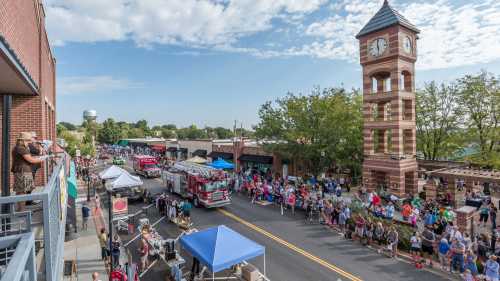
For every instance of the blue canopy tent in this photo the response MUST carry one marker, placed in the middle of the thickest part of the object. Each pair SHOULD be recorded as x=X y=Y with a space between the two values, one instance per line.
x=221 y=164
x=215 y=248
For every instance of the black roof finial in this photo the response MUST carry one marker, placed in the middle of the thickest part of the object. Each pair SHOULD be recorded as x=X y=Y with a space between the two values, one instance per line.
x=386 y=2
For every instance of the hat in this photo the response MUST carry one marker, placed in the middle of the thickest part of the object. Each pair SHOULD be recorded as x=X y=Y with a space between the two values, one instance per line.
x=24 y=136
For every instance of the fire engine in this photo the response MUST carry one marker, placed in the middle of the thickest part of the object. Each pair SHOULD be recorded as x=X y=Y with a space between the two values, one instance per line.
x=146 y=166
x=204 y=185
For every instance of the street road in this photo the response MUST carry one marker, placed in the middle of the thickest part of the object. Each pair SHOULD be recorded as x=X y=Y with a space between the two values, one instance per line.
x=295 y=250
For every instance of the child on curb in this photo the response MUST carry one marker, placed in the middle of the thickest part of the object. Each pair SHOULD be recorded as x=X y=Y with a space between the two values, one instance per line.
x=416 y=247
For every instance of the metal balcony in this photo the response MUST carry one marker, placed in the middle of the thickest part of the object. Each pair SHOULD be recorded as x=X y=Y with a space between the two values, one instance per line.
x=18 y=232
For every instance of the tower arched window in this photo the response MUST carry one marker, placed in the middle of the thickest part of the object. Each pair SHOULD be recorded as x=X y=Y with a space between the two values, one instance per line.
x=406 y=81
x=374 y=85
x=387 y=84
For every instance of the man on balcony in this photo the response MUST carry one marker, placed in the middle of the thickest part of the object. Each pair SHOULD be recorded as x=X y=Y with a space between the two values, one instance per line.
x=22 y=167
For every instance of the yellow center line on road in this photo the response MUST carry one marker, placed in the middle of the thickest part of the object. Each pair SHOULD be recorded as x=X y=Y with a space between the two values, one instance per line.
x=292 y=247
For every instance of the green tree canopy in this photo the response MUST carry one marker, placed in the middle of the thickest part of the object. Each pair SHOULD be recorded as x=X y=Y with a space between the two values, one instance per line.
x=110 y=132
x=437 y=112
x=319 y=129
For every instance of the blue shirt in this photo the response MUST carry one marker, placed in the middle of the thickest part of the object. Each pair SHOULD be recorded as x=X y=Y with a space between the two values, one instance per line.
x=429 y=219
x=390 y=211
x=85 y=211
x=491 y=269
x=444 y=247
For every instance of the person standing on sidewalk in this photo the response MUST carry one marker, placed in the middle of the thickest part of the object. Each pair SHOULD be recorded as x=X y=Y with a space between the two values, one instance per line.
x=491 y=269
x=443 y=251
x=457 y=255
x=428 y=241
x=85 y=216
x=493 y=216
x=393 y=240
x=115 y=251
x=144 y=252
x=103 y=241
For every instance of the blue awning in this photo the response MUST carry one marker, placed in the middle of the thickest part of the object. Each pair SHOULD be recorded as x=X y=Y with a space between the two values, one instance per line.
x=215 y=247
x=221 y=164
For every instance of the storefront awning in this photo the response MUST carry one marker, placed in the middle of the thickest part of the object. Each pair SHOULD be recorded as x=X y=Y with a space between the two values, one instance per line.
x=158 y=147
x=200 y=152
x=223 y=155
x=256 y=159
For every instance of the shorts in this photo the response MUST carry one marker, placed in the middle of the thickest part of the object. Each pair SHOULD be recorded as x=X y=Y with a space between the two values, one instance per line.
x=85 y=220
x=359 y=231
x=415 y=249
x=483 y=218
x=428 y=249
x=187 y=214
x=144 y=259
x=23 y=182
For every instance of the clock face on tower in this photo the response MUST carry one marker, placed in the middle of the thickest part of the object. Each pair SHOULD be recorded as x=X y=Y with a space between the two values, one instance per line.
x=378 y=47
x=407 y=45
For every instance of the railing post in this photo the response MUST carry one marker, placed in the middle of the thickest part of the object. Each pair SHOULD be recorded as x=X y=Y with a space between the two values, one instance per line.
x=6 y=115
x=47 y=241
x=31 y=265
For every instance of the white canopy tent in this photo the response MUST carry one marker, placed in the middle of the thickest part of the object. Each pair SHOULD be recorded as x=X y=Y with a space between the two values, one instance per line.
x=112 y=172
x=125 y=180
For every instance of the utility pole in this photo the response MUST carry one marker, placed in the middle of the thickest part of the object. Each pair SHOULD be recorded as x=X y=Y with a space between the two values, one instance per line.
x=110 y=216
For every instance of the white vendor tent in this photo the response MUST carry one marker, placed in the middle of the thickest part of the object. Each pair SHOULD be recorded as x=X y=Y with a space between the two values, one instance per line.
x=125 y=180
x=112 y=172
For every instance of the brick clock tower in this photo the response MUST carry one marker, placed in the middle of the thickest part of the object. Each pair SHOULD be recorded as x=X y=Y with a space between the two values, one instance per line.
x=388 y=53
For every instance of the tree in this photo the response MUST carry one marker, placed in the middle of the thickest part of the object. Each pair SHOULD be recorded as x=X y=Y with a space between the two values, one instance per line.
x=67 y=125
x=168 y=134
x=191 y=133
x=223 y=133
x=143 y=125
x=60 y=129
x=110 y=132
x=319 y=129
x=436 y=119
x=171 y=127
x=479 y=99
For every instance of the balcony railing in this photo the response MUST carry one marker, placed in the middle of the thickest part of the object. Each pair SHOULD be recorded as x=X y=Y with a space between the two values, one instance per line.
x=53 y=199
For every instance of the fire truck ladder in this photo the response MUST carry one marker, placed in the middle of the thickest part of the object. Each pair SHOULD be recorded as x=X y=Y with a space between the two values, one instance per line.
x=194 y=168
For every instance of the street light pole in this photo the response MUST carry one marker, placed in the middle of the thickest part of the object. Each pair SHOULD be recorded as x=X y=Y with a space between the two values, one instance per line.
x=88 y=185
x=110 y=216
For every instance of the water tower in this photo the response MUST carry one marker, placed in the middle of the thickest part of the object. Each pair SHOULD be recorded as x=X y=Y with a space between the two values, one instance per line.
x=90 y=115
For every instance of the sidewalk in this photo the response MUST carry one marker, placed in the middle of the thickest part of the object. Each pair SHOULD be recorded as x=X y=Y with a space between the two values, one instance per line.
x=85 y=249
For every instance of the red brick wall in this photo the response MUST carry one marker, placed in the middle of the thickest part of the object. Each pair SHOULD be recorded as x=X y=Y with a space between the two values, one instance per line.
x=22 y=24
x=19 y=26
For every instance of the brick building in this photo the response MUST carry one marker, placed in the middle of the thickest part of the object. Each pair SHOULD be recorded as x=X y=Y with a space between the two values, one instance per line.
x=387 y=55
x=27 y=76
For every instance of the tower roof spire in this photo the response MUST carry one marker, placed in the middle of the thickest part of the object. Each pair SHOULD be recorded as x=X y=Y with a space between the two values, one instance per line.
x=385 y=17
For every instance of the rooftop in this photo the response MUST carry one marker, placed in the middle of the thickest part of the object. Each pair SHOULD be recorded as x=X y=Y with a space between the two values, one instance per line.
x=386 y=17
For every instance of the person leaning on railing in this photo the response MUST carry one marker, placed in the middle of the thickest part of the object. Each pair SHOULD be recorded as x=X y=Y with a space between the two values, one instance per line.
x=22 y=167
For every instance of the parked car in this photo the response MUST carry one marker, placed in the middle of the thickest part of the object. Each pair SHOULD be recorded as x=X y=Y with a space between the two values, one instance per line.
x=118 y=161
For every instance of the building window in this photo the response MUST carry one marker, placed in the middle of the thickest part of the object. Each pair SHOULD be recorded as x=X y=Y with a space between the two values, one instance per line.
x=374 y=85
x=387 y=84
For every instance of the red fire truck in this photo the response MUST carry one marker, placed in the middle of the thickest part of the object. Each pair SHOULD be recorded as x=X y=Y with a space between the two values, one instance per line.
x=146 y=166
x=204 y=185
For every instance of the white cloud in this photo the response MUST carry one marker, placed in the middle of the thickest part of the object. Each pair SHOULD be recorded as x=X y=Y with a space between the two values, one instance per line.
x=450 y=35
x=75 y=85
x=199 y=23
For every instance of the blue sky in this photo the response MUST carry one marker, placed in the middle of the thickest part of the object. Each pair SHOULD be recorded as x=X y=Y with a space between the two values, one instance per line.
x=210 y=62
